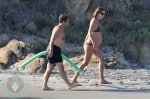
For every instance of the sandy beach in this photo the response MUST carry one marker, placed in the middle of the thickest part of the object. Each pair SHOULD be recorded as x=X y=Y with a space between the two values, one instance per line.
x=128 y=83
x=114 y=34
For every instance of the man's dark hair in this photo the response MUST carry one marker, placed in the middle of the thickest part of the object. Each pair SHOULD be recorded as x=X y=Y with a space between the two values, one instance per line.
x=63 y=18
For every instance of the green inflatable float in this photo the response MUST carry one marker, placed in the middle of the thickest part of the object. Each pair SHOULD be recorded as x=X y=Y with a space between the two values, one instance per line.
x=44 y=53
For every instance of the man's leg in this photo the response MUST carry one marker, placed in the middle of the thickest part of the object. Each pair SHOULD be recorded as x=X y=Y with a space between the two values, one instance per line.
x=63 y=74
x=47 y=74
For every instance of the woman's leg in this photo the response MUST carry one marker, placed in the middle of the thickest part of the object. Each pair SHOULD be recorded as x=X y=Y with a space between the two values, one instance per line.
x=101 y=67
x=88 y=50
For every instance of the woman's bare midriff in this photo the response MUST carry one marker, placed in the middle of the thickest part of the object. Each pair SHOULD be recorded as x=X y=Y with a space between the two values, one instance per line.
x=97 y=36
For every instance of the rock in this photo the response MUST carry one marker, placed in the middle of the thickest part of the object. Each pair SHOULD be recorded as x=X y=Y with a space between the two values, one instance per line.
x=36 y=66
x=111 y=62
x=18 y=47
x=7 y=57
x=121 y=60
x=11 y=53
x=16 y=51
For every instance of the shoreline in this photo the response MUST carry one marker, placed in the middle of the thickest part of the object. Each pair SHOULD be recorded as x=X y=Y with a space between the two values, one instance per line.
x=126 y=83
x=129 y=81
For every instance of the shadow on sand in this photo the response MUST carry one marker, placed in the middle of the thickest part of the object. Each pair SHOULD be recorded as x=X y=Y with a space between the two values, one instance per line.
x=112 y=88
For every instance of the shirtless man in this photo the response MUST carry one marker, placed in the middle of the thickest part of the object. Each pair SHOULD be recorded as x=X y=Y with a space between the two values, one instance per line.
x=92 y=43
x=57 y=41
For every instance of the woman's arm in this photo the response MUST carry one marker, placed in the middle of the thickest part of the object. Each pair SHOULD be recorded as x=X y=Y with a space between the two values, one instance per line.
x=91 y=29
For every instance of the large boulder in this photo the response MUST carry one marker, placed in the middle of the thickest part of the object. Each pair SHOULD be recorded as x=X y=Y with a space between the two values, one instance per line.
x=14 y=54
x=36 y=66
x=7 y=57
x=18 y=47
x=11 y=53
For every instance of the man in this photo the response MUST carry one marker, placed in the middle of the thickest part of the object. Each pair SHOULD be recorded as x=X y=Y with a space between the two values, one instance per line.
x=57 y=41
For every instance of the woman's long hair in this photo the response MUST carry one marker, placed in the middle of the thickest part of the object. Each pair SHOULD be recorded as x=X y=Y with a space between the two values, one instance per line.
x=97 y=11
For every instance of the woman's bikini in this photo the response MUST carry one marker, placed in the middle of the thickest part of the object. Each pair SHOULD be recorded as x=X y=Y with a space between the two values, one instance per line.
x=96 y=30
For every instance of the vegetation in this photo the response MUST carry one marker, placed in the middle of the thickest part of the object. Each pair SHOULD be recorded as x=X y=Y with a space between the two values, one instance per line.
x=121 y=26
x=129 y=27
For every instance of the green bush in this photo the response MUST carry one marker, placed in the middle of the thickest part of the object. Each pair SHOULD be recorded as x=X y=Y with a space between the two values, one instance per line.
x=76 y=32
x=41 y=20
x=123 y=24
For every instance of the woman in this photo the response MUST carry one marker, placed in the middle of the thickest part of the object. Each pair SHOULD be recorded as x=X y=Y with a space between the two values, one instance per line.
x=92 y=43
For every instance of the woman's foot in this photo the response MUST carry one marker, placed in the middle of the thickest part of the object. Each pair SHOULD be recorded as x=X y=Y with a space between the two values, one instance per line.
x=105 y=82
x=46 y=88
x=76 y=83
x=72 y=85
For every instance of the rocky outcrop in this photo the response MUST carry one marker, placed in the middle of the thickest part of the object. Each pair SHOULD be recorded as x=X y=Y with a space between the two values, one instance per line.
x=17 y=47
x=14 y=54
x=7 y=57
x=36 y=66
x=11 y=53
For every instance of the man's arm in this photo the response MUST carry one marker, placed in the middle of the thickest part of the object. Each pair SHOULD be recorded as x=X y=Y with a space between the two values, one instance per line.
x=52 y=39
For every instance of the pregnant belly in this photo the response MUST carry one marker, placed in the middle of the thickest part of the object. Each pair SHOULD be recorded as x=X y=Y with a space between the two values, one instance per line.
x=97 y=36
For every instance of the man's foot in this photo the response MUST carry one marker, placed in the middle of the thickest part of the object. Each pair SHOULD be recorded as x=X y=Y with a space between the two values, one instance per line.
x=105 y=82
x=46 y=88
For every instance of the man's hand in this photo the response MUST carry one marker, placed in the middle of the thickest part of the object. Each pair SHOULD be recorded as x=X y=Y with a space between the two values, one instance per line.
x=50 y=53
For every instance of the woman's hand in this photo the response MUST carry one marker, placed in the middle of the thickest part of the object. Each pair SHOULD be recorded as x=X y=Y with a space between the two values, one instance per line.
x=96 y=48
